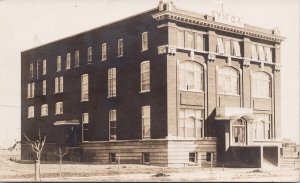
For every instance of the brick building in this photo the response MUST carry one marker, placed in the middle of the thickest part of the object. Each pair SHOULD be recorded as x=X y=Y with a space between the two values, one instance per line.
x=165 y=87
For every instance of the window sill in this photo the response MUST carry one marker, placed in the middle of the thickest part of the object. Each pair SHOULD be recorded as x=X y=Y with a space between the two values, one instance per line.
x=144 y=91
x=144 y=50
x=89 y=63
x=111 y=96
x=84 y=100
x=268 y=98
x=68 y=68
x=103 y=60
x=76 y=66
x=119 y=56
x=229 y=94
x=30 y=117
x=44 y=115
x=58 y=93
x=195 y=91
x=59 y=114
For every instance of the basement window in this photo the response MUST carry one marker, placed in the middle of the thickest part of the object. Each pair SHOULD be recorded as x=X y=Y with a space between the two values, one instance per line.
x=193 y=157
x=208 y=156
x=112 y=158
x=146 y=158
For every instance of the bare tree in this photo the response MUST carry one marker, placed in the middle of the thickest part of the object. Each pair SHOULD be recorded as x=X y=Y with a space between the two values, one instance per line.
x=60 y=154
x=37 y=147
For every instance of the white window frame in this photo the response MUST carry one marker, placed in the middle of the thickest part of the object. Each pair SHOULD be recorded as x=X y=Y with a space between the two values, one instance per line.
x=59 y=108
x=76 y=59
x=145 y=73
x=184 y=72
x=112 y=82
x=104 y=52
x=198 y=120
x=145 y=41
x=120 y=47
x=44 y=110
x=85 y=118
x=44 y=87
x=30 y=112
x=85 y=87
x=112 y=119
x=68 y=61
x=58 y=63
x=44 y=67
x=224 y=76
x=59 y=84
x=89 y=55
x=146 y=117
x=261 y=85
x=195 y=157
x=30 y=90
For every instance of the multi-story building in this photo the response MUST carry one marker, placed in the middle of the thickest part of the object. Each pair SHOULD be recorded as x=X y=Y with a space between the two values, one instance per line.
x=167 y=87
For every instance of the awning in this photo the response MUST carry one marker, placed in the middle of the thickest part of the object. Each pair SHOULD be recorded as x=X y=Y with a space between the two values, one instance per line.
x=234 y=113
x=67 y=122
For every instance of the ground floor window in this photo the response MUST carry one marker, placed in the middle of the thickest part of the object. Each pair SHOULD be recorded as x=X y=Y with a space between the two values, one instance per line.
x=146 y=158
x=191 y=123
x=238 y=131
x=112 y=158
x=193 y=157
x=262 y=127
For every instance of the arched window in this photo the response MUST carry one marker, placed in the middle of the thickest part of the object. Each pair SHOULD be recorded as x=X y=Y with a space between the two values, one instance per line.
x=262 y=126
x=261 y=85
x=191 y=123
x=228 y=80
x=239 y=131
x=191 y=76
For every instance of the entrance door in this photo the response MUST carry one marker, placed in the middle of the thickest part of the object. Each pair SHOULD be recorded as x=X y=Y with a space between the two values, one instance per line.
x=238 y=132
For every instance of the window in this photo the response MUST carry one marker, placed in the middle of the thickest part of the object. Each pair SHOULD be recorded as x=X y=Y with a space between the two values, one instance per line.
x=76 y=58
x=181 y=39
x=30 y=90
x=85 y=118
x=261 y=85
x=59 y=108
x=44 y=67
x=58 y=63
x=85 y=87
x=68 y=61
x=238 y=131
x=112 y=82
x=44 y=87
x=112 y=125
x=104 y=50
x=31 y=70
x=191 y=76
x=59 y=84
x=146 y=157
x=112 y=158
x=220 y=45
x=208 y=156
x=268 y=54
x=145 y=41
x=146 y=121
x=253 y=52
x=261 y=53
x=191 y=123
x=190 y=40
x=120 y=47
x=90 y=52
x=31 y=112
x=236 y=48
x=193 y=157
x=44 y=110
x=145 y=76
x=199 y=42
x=262 y=126
x=37 y=68
x=228 y=81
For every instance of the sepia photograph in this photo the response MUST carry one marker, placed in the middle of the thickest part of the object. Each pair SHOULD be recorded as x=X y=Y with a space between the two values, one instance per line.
x=149 y=91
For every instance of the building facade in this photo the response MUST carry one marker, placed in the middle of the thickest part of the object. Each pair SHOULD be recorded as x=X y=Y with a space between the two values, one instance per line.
x=165 y=87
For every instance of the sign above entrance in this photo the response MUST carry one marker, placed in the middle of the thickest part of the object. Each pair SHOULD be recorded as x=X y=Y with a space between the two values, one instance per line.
x=227 y=18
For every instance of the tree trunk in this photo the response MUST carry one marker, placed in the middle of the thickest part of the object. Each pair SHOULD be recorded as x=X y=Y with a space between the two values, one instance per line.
x=37 y=170
x=60 y=162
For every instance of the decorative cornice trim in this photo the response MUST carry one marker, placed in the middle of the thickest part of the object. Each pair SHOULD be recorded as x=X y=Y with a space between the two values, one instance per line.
x=277 y=67
x=215 y=25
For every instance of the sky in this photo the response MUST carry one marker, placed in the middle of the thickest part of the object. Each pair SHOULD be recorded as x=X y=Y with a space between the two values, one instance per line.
x=23 y=21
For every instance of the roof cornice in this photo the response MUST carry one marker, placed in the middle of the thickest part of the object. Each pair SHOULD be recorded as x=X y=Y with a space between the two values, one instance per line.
x=179 y=17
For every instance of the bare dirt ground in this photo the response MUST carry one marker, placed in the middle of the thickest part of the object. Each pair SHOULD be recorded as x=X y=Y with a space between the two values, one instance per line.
x=12 y=171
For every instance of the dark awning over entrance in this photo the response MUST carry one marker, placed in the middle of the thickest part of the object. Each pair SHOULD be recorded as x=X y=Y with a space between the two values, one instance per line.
x=67 y=122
